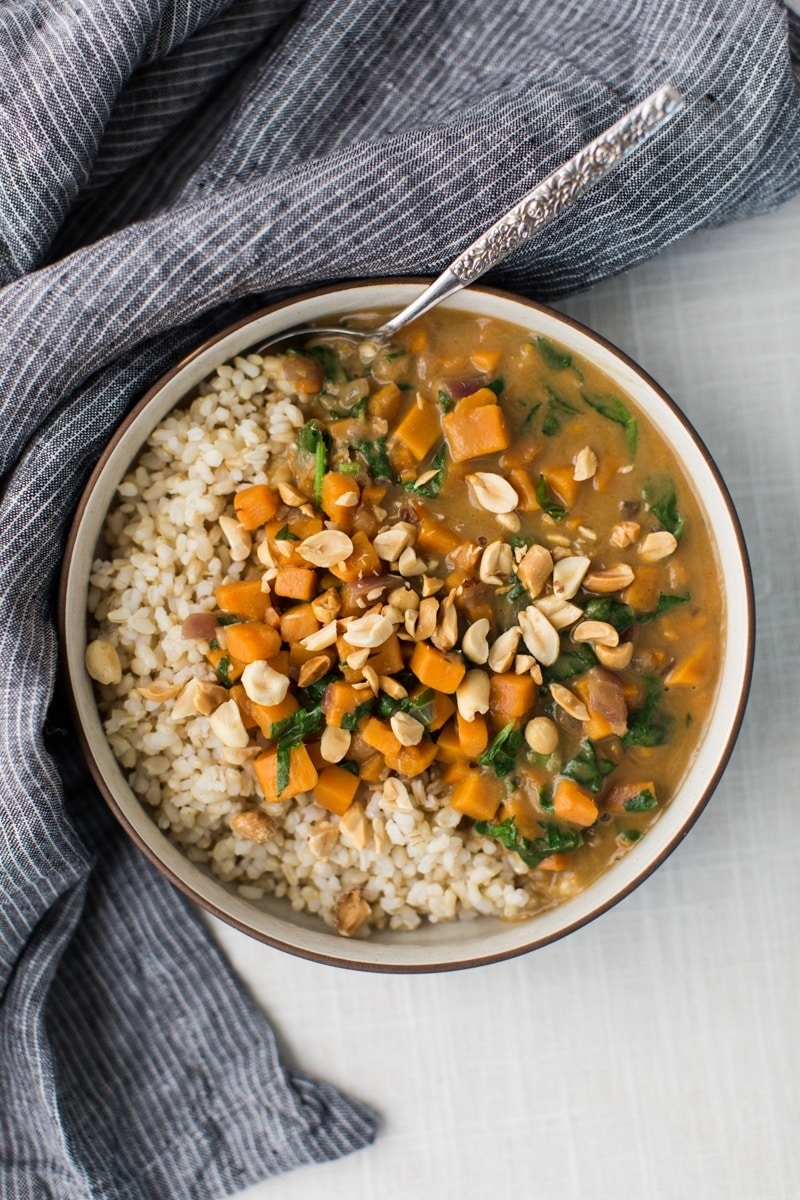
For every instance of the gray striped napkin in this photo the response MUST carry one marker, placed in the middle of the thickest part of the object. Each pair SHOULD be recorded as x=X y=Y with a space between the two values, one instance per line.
x=164 y=165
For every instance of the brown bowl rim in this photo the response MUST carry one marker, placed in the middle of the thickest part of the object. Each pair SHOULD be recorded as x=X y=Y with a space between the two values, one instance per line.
x=405 y=968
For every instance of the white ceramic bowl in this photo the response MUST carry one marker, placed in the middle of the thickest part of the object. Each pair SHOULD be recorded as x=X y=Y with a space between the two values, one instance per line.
x=457 y=943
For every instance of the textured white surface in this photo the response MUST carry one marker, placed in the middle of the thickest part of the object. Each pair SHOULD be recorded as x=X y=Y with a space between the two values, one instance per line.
x=655 y=1053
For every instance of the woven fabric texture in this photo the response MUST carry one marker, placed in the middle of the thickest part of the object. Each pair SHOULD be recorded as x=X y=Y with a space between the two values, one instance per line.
x=166 y=165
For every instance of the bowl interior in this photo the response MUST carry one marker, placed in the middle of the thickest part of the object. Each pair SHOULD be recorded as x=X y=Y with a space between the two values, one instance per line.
x=451 y=944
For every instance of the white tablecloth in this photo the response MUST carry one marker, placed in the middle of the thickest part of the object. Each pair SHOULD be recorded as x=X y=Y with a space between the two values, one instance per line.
x=654 y=1054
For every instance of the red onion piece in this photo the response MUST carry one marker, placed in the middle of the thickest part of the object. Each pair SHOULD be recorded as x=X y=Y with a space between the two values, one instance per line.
x=368 y=582
x=457 y=389
x=607 y=698
x=199 y=625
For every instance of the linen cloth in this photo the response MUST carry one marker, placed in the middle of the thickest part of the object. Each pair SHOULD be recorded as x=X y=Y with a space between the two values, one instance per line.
x=174 y=164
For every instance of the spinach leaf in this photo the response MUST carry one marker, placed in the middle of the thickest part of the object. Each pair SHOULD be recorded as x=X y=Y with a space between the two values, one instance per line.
x=227 y=619
x=554 y=510
x=350 y=720
x=612 y=408
x=558 y=410
x=554 y=358
x=421 y=707
x=349 y=764
x=569 y=663
x=376 y=458
x=357 y=410
x=313 y=693
x=663 y=502
x=213 y=644
x=447 y=402
x=496 y=386
x=666 y=601
x=631 y=835
x=526 y=425
x=284 y=767
x=647 y=725
x=291 y=730
x=613 y=612
x=642 y=802
x=223 y=667
x=501 y=753
x=330 y=362
x=587 y=768
x=313 y=439
x=433 y=486
x=285 y=535
x=517 y=592
x=531 y=850
x=390 y=355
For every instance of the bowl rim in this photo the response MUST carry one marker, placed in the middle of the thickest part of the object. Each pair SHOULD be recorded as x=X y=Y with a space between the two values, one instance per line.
x=473 y=960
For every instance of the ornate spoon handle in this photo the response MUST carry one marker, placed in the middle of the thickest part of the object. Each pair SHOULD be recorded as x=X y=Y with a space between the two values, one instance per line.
x=546 y=202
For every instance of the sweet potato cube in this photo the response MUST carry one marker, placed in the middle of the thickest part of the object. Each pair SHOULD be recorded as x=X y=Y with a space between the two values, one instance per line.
x=267 y=715
x=280 y=662
x=477 y=431
x=388 y=658
x=256 y=505
x=298 y=655
x=526 y=818
x=335 y=486
x=302 y=773
x=511 y=695
x=252 y=641
x=363 y=560
x=295 y=583
x=244 y=705
x=562 y=484
x=244 y=599
x=339 y=700
x=373 y=493
x=456 y=770
x=448 y=744
x=385 y=403
x=335 y=789
x=573 y=804
x=298 y=622
x=419 y=429
x=233 y=666
x=554 y=862
x=434 y=537
x=416 y=339
x=476 y=399
x=472 y=735
x=373 y=769
x=642 y=594
x=485 y=361
x=412 y=760
x=694 y=670
x=441 y=670
x=477 y=795
x=607 y=467
x=525 y=488
x=379 y=735
x=598 y=726
x=443 y=707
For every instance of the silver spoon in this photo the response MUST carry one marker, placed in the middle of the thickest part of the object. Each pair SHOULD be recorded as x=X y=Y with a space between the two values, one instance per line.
x=541 y=206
